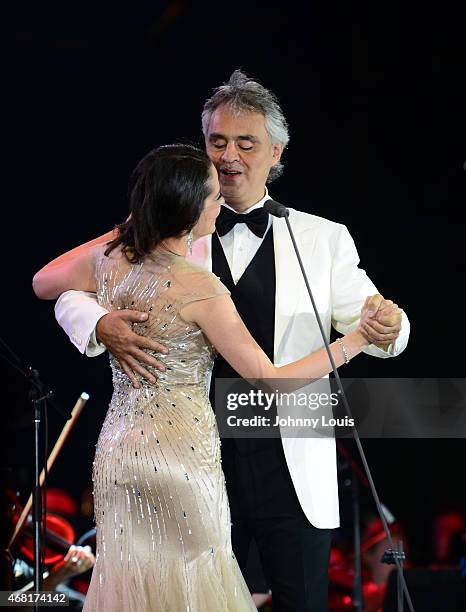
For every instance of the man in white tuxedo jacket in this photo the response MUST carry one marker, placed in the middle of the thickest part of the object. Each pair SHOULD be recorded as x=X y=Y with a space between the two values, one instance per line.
x=282 y=493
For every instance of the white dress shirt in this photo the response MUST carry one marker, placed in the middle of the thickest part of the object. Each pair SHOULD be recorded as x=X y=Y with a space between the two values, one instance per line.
x=240 y=244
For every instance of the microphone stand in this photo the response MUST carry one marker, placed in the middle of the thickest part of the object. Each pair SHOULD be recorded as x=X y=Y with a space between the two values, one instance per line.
x=38 y=397
x=396 y=556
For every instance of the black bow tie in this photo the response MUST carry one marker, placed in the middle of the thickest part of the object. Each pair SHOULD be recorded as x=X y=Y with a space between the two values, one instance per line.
x=257 y=221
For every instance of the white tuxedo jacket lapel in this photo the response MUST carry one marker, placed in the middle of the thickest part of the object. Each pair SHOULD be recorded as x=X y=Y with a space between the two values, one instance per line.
x=290 y=286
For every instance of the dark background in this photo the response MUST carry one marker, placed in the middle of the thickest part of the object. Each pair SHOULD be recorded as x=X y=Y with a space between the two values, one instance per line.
x=375 y=102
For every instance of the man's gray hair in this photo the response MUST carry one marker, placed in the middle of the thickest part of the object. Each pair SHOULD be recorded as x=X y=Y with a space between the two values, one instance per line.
x=242 y=94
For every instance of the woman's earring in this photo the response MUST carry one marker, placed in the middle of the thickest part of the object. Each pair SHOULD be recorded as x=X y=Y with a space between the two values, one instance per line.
x=190 y=242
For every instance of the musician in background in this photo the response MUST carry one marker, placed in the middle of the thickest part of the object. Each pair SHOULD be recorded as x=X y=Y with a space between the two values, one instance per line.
x=77 y=560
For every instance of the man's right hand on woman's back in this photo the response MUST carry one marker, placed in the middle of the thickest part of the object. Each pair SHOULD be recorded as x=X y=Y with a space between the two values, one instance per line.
x=114 y=331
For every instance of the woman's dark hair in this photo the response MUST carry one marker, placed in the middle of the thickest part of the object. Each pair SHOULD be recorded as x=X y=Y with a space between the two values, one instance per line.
x=167 y=190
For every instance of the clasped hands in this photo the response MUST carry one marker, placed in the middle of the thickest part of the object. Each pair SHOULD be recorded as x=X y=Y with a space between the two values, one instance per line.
x=380 y=321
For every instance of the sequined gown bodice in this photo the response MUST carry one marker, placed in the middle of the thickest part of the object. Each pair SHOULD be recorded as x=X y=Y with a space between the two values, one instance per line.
x=161 y=510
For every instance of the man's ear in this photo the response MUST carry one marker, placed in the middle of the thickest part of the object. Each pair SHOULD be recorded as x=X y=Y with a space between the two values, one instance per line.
x=277 y=150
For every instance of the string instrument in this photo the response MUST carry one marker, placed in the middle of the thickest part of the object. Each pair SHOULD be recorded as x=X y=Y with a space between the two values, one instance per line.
x=59 y=534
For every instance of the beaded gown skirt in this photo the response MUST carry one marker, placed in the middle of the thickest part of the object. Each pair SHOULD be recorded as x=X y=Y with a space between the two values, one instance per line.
x=161 y=508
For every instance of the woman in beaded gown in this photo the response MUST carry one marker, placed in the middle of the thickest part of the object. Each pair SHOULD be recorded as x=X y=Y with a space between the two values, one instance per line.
x=161 y=509
x=160 y=502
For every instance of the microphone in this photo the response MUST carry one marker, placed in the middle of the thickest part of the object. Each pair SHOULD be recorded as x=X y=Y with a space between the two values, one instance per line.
x=276 y=209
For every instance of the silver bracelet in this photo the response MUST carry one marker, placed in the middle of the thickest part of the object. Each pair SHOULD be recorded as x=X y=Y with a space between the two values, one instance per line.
x=345 y=352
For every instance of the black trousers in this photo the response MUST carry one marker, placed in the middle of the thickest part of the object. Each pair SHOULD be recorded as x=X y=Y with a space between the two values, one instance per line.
x=264 y=507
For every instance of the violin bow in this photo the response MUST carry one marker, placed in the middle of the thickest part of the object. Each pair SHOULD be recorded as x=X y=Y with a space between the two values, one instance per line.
x=81 y=402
